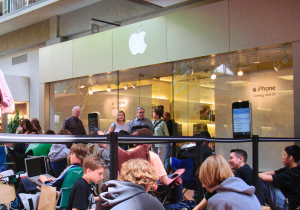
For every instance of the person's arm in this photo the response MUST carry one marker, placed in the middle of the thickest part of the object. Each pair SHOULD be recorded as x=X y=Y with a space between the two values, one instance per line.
x=43 y=178
x=270 y=172
x=265 y=177
x=164 y=180
x=111 y=129
x=65 y=125
x=166 y=131
x=202 y=205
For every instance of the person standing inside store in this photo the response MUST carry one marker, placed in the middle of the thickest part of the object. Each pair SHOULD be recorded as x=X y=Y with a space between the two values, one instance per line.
x=160 y=129
x=120 y=124
x=167 y=119
x=73 y=123
x=139 y=122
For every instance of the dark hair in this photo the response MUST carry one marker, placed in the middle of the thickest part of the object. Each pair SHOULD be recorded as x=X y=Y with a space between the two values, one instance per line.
x=50 y=132
x=29 y=126
x=65 y=132
x=239 y=153
x=158 y=112
x=145 y=132
x=294 y=151
x=36 y=123
x=168 y=114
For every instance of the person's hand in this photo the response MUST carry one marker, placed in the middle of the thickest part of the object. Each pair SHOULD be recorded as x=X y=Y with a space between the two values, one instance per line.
x=20 y=129
x=134 y=133
x=210 y=146
x=154 y=187
x=50 y=179
x=42 y=178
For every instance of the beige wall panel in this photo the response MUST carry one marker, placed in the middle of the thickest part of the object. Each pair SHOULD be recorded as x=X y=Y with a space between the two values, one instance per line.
x=92 y=54
x=56 y=62
x=155 y=39
x=259 y=23
x=198 y=32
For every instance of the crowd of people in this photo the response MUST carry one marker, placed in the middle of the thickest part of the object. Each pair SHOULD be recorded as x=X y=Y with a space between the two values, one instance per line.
x=228 y=184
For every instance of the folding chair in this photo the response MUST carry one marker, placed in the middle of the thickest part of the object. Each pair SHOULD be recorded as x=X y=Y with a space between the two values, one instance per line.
x=71 y=177
x=163 y=191
x=188 y=180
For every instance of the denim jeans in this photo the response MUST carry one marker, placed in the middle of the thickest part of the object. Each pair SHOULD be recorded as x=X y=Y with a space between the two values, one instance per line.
x=167 y=156
x=27 y=186
x=274 y=197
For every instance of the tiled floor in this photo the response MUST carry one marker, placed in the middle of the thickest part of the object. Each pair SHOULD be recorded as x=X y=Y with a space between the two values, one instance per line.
x=189 y=194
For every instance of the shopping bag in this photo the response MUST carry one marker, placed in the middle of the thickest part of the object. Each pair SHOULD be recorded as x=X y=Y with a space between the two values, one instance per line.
x=7 y=193
x=29 y=201
x=47 y=198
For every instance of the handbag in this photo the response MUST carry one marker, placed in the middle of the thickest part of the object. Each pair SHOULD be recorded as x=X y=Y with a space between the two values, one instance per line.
x=7 y=193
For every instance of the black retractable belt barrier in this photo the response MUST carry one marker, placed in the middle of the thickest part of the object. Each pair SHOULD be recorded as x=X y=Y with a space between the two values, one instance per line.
x=199 y=161
x=113 y=139
x=255 y=139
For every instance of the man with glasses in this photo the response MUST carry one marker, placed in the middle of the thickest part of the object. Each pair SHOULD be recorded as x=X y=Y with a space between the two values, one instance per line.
x=139 y=122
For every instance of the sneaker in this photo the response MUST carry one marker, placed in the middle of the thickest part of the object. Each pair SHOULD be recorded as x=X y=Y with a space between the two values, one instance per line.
x=16 y=204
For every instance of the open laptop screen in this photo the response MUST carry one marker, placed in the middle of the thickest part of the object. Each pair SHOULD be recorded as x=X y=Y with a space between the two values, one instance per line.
x=35 y=166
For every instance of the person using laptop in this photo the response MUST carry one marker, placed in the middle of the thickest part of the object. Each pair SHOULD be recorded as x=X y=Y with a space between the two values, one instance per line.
x=77 y=154
x=81 y=196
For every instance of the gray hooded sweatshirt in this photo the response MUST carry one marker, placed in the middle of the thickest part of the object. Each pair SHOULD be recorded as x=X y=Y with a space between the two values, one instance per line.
x=58 y=152
x=234 y=194
x=126 y=196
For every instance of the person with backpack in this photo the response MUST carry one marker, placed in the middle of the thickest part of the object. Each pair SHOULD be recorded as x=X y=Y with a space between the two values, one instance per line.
x=160 y=129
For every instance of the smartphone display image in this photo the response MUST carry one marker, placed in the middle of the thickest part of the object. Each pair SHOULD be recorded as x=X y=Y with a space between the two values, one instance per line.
x=241 y=119
x=93 y=121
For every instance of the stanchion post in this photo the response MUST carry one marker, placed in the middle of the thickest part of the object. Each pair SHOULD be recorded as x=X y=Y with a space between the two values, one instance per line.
x=199 y=161
x=113 y=139
x=255 y=139
x=174 y=149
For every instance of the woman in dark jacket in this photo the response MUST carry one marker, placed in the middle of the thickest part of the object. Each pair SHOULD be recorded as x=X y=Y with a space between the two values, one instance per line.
x=136 y=178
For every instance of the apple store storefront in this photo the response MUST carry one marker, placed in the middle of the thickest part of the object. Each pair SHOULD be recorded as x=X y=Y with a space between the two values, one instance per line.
x=148 y=64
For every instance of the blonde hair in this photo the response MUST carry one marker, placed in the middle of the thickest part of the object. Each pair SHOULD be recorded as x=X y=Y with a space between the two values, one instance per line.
x=138 y=171
x=120 y=111
x=214 y=171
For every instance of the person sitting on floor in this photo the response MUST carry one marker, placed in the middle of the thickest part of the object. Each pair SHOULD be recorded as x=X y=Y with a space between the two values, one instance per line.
x=232 y=192
x=77 y=154
x=130 y=191
x=237 y=161
x=81 y=196
x=282 y=187
x=59 y=153
x=155 y=161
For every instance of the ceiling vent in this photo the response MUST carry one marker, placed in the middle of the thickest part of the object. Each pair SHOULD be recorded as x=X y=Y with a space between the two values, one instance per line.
x=19 y=59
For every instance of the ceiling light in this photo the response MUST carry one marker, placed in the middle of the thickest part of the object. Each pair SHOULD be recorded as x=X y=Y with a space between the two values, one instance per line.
x=108 y=88
x=133 y=84
x=240 y=73
x=82 y=86
x=125 y=86
x=276 y=66
x=286 y=59
x=91 y=91
x=213 y=76
x=256 y=59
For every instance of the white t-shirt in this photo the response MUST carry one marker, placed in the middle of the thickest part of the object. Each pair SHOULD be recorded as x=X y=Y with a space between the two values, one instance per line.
x=118 y=127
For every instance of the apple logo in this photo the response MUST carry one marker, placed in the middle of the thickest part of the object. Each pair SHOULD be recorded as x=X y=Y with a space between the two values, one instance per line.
x=137 y=43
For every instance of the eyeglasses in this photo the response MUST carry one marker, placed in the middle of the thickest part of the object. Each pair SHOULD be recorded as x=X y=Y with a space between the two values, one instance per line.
x=141 y=112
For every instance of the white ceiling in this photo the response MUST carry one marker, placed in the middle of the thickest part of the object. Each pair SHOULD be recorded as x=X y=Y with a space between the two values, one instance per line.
x=38 y=12
x=165 y=3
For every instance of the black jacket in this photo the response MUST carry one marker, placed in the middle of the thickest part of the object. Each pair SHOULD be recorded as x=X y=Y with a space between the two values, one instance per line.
x=126 y=196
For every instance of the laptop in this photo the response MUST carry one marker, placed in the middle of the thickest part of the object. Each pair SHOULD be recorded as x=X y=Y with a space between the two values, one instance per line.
x=36 y=166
